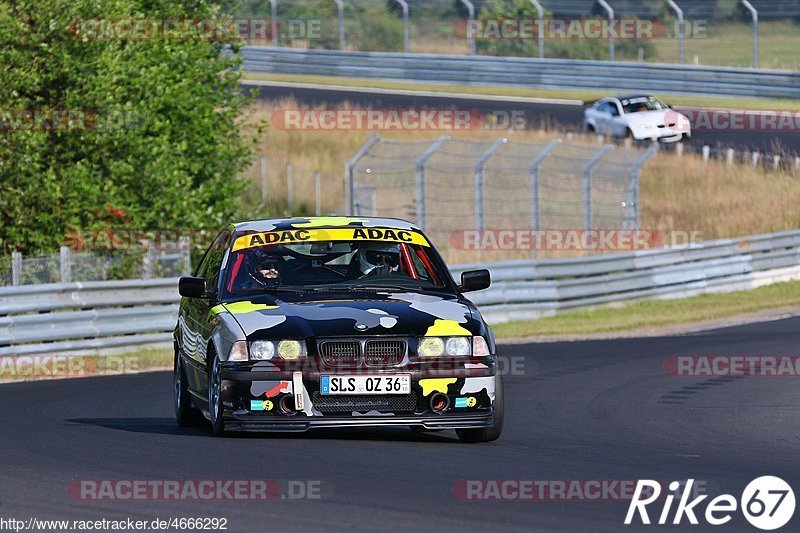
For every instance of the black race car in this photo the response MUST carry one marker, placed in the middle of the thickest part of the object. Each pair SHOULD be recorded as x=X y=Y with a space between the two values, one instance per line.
x=300 y=323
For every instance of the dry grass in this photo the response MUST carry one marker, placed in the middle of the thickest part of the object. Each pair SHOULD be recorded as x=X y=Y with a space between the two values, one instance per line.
x=681 y=194
x=717 y=200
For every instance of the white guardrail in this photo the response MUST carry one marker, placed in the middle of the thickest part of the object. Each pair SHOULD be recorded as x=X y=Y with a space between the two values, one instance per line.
x=527 y=72
x=93 y=316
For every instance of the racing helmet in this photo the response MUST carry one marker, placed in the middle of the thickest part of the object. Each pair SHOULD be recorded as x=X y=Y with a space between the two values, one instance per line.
x=265 y=268
x=385 y=257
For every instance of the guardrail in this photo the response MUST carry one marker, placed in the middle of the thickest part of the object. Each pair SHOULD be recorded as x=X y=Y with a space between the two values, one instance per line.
x=95 y=316
x=528 y=72
x=86 y=317
x=523 y=290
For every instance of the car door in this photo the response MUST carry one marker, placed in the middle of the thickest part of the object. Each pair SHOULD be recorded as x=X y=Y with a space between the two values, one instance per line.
x=603 y=118
x=617 y=124
x=198 y=310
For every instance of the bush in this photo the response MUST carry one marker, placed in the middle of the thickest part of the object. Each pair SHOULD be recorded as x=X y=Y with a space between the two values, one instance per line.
x=155 y=131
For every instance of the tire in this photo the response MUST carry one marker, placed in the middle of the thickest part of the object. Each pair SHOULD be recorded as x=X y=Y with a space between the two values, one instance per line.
x=491 y=433
x=590 y=129
x=215 y=408
x=185 y=414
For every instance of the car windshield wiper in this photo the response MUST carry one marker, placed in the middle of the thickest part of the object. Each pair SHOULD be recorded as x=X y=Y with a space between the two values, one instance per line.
x=363 y=287
x=277 y=289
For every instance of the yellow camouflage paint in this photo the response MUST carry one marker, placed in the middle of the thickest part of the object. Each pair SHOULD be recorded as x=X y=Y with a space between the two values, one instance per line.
x=300 y=236
x=447 y=328
x=240 y=308
x=435 y=385
x=319 y=222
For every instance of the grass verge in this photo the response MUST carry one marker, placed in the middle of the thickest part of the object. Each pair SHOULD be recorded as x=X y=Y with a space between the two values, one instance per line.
x=768 y=104
x=57 y=366
x=656 y=313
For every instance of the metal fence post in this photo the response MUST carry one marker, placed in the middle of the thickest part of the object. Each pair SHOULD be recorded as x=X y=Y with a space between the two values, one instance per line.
x=340 y=7
x=610 y=12
x=16 y=268
x=289 y=187
x=185 y=246
x=632 y=210
x=587 y=186
x=754 y=13
x=470 y=35
x=406 y=35
x=317 y=193
x=540 y=15
x=274 y=21
x=679 y=13
x=423 y=159
x=535 y=164
x=263 y=180
x=147 y=261
x=479 y=182
x=65 y=264
x=349 y=178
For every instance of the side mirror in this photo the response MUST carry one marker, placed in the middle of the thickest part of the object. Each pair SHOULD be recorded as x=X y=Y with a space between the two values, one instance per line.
x=475 y=280
x=192 y=287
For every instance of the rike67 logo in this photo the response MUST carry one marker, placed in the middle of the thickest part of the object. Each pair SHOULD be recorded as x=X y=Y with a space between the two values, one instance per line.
x=767 y=503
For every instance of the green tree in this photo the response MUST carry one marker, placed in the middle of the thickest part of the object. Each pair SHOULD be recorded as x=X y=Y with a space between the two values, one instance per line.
x=149 y=126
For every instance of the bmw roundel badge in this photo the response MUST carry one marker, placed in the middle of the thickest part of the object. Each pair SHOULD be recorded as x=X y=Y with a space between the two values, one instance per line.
x=361 y=327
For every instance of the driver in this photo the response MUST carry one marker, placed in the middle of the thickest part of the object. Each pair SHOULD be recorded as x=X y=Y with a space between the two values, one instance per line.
x=264 y=269
x=378 y=260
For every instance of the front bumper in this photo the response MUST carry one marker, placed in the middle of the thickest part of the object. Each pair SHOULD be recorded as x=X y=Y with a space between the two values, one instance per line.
x=664 y=135
x=250 y=422
x=260 y=398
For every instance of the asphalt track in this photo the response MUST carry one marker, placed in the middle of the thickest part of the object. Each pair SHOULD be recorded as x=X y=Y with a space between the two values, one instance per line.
x=536 y=113
x=595 y=410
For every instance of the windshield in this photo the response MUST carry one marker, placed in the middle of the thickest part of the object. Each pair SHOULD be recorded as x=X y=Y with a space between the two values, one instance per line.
x=644 y=103
x=360 y=264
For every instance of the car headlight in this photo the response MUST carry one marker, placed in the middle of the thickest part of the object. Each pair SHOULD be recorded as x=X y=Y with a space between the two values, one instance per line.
x=438 y=346
x=479 y=347
x=238 y=351
x=288 y=350
x=262 y=350
x=431 y=347
x=457 y=346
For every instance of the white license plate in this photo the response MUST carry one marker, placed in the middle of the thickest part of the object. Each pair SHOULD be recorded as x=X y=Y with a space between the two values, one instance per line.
x=384 y=384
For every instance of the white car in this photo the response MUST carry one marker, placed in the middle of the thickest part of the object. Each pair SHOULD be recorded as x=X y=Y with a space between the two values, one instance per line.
x=636 y=117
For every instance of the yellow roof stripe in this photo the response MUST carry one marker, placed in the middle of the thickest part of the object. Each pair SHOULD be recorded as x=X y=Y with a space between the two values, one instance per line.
x=300 y=236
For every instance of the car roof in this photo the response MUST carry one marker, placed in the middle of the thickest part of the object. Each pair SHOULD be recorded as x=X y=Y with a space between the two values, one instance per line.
x=323 y=222
x=633 y=96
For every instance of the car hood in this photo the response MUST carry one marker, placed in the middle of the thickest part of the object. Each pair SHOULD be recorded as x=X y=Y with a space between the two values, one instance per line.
x=655 y=118
x=402 y=314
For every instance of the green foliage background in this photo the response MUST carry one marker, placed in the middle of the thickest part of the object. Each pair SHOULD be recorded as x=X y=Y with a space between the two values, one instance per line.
x=167 y=146
x=554 y=48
